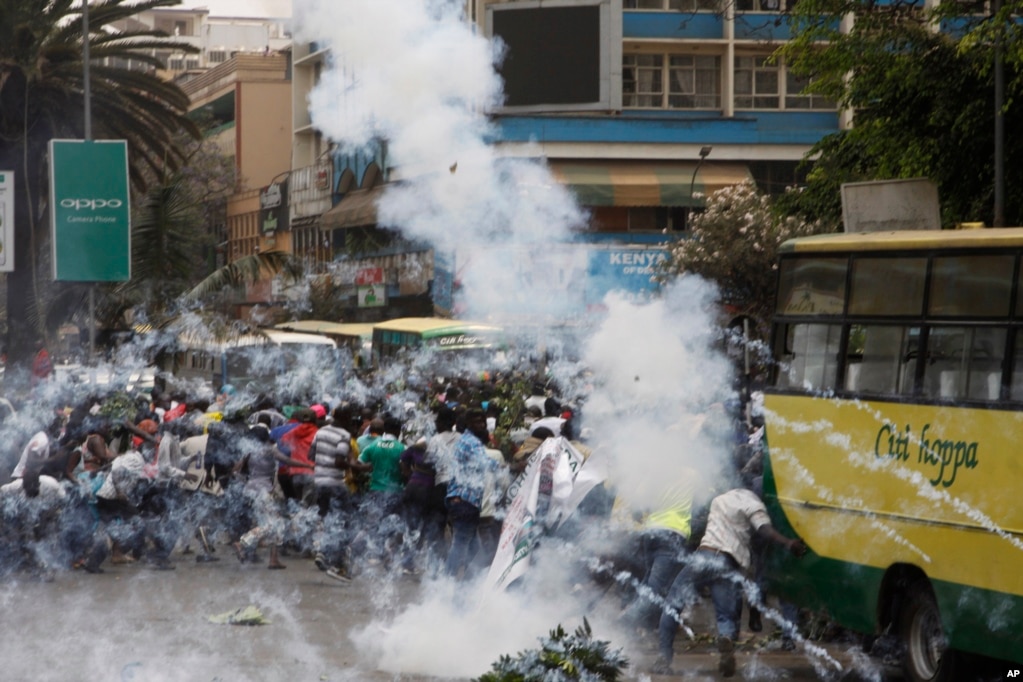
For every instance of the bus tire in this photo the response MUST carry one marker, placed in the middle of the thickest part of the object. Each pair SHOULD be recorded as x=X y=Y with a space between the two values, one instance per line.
x=926 y=654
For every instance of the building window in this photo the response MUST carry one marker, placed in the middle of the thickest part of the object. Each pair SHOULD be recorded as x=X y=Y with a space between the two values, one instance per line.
x=678 y=5
x=796 y=98
x=761 y=5
x=693 y=81
x=756 y=83
x=642 y=80
x=217 y=56
x=176 y=63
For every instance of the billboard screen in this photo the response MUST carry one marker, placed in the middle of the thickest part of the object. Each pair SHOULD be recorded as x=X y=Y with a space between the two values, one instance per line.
x=559 y=55
x=90 y=210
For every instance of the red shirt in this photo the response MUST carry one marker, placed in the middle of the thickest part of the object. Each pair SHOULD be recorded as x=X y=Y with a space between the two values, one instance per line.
x=298 y=440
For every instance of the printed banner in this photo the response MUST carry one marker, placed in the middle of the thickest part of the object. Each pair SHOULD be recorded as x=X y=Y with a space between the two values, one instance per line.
x=555 y=481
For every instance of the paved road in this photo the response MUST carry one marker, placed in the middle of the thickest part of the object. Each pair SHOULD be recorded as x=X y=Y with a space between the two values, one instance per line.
x=135 y=623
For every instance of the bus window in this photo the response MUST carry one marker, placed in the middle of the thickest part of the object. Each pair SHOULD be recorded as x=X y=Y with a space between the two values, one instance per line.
x=964 y=362
x=810 y=358
x=971 y=286
x=812 y=286
x=882 y=359
x=887 y=286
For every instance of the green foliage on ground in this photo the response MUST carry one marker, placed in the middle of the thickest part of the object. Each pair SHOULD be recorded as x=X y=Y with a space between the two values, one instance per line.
x=562 y=658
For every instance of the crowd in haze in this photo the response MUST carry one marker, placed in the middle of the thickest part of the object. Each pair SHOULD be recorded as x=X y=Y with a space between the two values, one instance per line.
x=415 y=484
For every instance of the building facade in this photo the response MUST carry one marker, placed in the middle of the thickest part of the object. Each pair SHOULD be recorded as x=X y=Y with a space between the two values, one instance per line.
x=641 y=107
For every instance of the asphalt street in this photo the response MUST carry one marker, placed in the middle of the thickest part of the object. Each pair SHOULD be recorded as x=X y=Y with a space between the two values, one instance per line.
x=136 y=624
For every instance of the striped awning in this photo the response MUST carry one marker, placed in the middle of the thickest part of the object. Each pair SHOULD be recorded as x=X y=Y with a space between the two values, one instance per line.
x=646 y=183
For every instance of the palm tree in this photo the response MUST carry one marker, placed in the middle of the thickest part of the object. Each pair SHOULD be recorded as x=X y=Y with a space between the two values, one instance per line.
x=42 y=97
x=248 y=269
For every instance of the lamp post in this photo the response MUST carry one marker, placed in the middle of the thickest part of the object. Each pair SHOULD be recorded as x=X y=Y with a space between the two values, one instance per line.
x=87 y=130
x=704 y=152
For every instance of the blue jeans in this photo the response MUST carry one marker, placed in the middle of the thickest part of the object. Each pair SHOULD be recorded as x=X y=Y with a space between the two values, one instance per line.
x=464 y=519
x=664 y=552
x=720 y=572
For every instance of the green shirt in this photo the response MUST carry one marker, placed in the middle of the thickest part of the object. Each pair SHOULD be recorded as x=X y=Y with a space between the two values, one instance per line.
x=384 y=454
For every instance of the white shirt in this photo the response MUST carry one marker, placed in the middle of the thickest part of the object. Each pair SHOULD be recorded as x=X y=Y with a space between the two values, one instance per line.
x=552 y=423
x=439 y=453
x=49 y=488
x=37 y=449
x=734 y=517
x=127 y=466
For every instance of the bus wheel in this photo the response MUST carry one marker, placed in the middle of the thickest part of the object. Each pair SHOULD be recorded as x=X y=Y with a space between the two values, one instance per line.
x=927 y=656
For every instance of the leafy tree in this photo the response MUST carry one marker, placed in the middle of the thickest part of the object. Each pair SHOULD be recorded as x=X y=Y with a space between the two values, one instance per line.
x=734 y=243
x=42 y=97
x=174 y=223
x=248 y=269
x=922 y=101
x=562 y=658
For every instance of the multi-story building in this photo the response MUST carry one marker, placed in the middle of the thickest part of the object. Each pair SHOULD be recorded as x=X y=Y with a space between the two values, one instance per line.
x=641 y=107
x=247 y=99
x=215 y=39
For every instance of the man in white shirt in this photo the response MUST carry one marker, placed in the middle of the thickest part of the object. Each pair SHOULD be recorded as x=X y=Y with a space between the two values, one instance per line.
x=36 y=501
x=720 y=563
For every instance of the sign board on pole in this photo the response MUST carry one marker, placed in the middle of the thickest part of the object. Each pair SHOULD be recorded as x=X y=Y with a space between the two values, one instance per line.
x=90 y=210
x=6 y=221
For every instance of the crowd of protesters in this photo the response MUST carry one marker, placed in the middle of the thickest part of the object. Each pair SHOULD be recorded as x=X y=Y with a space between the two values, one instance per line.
x=348 y=485
x=353 y=487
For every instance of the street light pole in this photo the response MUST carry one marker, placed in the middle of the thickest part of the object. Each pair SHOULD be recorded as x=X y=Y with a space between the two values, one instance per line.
x=704 y=152
x=87 y=97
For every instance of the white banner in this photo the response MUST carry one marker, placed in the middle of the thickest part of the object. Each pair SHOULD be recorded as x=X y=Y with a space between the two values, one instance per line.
x=555 y=481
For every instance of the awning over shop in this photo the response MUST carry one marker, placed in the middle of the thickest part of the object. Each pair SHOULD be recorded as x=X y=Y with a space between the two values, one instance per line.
x=357 y=208
x=646 y=183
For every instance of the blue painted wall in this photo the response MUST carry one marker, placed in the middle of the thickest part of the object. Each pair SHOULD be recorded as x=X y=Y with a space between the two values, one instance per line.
x=675 y=25
x=754 y=127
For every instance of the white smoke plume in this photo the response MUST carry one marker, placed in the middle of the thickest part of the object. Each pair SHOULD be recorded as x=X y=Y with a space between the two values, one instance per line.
x=416 y=74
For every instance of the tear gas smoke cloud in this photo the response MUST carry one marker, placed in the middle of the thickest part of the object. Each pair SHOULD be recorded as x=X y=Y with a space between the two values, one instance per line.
x=416 y=74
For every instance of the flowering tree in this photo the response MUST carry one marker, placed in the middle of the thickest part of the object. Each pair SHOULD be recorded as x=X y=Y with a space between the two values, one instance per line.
x=734 y=243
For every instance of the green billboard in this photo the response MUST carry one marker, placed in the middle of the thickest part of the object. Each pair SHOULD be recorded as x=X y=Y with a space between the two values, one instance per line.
x=90 y=210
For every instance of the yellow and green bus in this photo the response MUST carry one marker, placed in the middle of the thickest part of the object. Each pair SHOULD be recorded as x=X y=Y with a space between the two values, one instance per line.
x=450 y=337
x=894 y=416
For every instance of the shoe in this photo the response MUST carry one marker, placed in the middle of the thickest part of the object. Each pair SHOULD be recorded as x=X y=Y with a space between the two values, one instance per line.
x=788 y=644
x=726 y=665
x=205 y=558
x=661 y=667
x=755 y=622
x=320 y=561
x=162 y=565
x=338 y=574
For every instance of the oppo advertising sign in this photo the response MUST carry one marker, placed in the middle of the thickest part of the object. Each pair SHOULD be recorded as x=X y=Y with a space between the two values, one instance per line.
x=90 y=210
